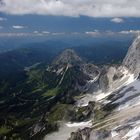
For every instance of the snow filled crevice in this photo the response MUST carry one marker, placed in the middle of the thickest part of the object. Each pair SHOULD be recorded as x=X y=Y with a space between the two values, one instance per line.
x=70 y=124
x=133 y=134
x=132 y=95
x=100 y=96
x=127 y=130
x=116 y=85
x=66 y=129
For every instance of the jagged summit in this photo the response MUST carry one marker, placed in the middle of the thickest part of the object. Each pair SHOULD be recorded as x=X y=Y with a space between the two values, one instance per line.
x=68 y=56
x=132 y=59
x=74 y=71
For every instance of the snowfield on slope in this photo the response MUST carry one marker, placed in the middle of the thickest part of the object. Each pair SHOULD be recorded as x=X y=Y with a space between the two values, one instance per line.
x=132 y=97
x=99 y=96
x=66 y=129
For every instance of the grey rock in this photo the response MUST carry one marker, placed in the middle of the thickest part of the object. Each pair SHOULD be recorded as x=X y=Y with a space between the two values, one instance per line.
x=81 y=134
x=68 y=56
x=132 y=59
x=69 y=64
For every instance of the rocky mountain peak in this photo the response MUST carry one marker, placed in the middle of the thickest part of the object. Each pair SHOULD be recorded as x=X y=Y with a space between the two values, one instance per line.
x=68 y=56
x=132 y=59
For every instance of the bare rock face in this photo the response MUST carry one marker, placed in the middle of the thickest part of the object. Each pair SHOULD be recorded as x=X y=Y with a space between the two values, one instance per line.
x=68 y=56
x=111 y=77
x=89 y=134
x=81 y=134
x=74 y=71
x=99 y=135
x=114 y=76
x=42 y=127
x=132 y=59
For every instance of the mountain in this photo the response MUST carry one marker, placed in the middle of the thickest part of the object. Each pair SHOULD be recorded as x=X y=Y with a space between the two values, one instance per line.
x=16 y=60
x=68 y=56
x=117 y=115
x=69 y=98
x=41 y=93
x=132 y=59
x=75 y=72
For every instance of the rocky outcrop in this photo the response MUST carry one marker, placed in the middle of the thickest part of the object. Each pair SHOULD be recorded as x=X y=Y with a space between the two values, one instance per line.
x=81 y=134
x=112 y=77
x=73 y=71
x=90 y=134
x=81 y=113
x=68 y=56
x=130 y=66
x=132 y=59
x=42 y=127
x=87 y=77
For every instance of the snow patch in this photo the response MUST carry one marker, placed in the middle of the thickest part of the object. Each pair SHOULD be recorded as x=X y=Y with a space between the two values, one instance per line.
x=133 y=101
x=133 y=134
x=59 y=71
x=114 y=134
x=85 y=100
x=125 y=80
x=88 y=123
x=102 y=96
x=93 y=79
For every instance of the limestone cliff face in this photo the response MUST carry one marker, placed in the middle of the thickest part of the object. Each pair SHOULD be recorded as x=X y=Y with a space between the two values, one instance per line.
x=113 y=77
x=68 y=56
x=89 y=78
x=73 y=71
x=132 y=59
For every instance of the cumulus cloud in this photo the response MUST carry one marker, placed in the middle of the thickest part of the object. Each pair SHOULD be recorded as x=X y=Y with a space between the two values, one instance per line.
x=35 y=32
x=97 y=33
x=3 y=19
x=136 y=32
x=45 y=32
x=117 y=20
x=41 y=32
x=20 y=34
x=93 y=8
x=93 y=33
x=18 y=27
x=59 y=33
x=11 y=34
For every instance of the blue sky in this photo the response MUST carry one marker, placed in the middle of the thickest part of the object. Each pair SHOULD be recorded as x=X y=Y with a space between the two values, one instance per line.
x=92 y=17
x=33 y=23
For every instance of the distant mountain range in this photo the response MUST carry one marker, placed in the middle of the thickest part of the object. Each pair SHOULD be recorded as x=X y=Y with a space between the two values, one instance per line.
x=17 y=54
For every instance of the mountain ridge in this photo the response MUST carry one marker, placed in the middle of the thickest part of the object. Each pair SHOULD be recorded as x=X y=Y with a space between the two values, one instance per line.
x=123 y=100
x=69 y=91
x=132 y=59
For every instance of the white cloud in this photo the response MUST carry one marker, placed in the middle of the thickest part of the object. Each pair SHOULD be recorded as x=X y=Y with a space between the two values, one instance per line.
x=97 y=33
x=93 y=8
x=117 y=20
x=18 y=27
x=20 y=34
x=10 y=34
x=136 y=32
x=74 y=33
x=41 y=32
x=3 y=19
x=45 y=32
x=59 y=33
x=1 y=27
x=36 y=32
x=93 y=33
